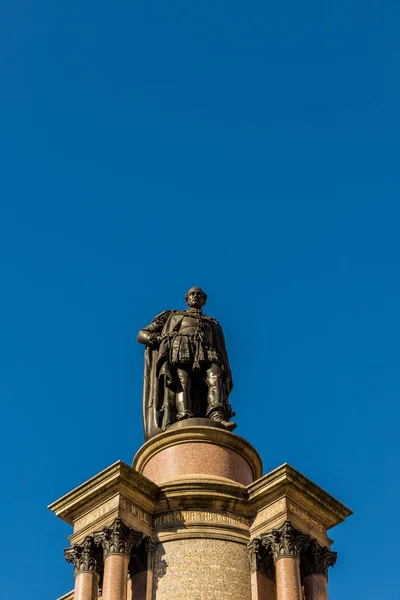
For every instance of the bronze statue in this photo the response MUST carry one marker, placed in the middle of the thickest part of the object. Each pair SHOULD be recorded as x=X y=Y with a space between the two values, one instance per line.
x=187 y=371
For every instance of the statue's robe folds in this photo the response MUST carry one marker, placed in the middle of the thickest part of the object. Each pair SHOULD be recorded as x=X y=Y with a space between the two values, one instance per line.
x=160 y=380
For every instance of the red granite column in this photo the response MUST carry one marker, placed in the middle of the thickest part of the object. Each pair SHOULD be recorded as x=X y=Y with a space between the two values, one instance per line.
x=85 y=559
x=285 y=545
x=141 y=567
x=315 y=587
x=117 y=542
x=86 y=586
x=288 y=584
x=263 y=586
x=315 y=561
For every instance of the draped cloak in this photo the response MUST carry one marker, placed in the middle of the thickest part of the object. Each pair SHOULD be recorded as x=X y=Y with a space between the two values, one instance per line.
x=160 y=380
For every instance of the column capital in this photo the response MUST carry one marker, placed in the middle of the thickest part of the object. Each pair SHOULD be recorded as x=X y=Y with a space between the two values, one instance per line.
x=84 y=557
x=118 y=538
x=142 y=558
x=287 y=541
x=260 y=558
x=316 y=560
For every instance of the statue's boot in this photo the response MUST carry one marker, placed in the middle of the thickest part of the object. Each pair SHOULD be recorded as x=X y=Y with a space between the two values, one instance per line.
x=218 y=416
x=182 y=411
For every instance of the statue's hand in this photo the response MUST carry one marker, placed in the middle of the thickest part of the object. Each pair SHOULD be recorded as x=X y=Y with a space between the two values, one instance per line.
x=155 y=340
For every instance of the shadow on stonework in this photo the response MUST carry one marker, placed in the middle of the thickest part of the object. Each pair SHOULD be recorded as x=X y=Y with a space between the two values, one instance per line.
x=160 y=568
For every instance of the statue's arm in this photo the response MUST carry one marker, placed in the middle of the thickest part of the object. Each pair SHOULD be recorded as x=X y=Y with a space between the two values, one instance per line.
x=150 y=335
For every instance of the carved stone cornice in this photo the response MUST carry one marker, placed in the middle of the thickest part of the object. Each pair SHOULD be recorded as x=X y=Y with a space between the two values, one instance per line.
x=287 y=541
x=84 y=557
x=316 y=560
x=117 y=538
x=261 y=559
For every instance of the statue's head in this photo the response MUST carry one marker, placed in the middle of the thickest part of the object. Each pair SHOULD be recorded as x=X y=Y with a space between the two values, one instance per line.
x=195 y=297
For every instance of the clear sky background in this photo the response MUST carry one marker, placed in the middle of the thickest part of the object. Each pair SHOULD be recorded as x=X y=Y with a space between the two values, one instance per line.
x=248 y=147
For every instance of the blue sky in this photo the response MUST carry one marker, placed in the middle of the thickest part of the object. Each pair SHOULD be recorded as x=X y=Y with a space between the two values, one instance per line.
x=251 y=148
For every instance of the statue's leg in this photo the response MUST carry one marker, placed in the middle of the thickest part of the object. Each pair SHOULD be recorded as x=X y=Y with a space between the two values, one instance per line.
x=183 y=400
x=215 y=408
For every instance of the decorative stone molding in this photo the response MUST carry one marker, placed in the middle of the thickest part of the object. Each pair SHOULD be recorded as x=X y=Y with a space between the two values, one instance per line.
x=261 y=559
x=84 y=557
x=287 y=541
x=316 y=559
x=117 y=539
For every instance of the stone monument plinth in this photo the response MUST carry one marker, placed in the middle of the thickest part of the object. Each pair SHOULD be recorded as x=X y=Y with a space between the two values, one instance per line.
x=194 y=518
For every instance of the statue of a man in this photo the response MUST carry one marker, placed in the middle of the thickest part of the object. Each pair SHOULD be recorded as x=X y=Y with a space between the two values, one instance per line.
x=187 y=371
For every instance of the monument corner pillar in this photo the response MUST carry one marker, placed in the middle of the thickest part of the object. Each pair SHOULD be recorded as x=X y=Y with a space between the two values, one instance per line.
x=315 y=562
x=87 y=565
x=117 y=542
x=285 y=544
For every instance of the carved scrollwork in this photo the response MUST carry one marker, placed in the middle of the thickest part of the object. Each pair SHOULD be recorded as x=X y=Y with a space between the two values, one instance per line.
x=117 y=539
x=84 y=557
x=287 y=541
x=316 y=559
x=260 y=558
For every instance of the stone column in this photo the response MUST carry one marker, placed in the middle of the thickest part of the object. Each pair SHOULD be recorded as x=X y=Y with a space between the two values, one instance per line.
x=315 y=561
x=117 y=542
x=285 y=545
x=141 y=568
x=87 y=565
x=262 y=572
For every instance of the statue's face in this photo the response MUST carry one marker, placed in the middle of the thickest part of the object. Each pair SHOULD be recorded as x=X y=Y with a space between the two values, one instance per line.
x=195 y=298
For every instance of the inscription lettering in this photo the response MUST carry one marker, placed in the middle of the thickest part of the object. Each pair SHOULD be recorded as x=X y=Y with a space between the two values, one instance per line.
x=198 y=516
x=108 y=507
x=306 y=517
x=270 y=511
x=95 y=514
x=135 y=510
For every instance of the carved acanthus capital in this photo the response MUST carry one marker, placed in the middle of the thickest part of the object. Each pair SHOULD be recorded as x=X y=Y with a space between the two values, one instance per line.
x=117 y=539
x=84 y=556
x=142 y=557
x=316 y=560
x=287 y=541
x=260 y=558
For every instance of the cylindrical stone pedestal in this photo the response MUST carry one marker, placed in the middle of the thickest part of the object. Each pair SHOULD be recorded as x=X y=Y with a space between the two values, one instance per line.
x=201 y=533
x=189 y=449
x=86 y=586
x=288 y=586
x=115 y=577
x=315 y=587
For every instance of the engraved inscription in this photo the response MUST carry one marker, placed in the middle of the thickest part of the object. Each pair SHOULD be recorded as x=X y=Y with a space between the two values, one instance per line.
x=270 y=511
x=303 y=515
x=107 y=507
x=181 y=517
x=95 y=514
x=135 y=511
